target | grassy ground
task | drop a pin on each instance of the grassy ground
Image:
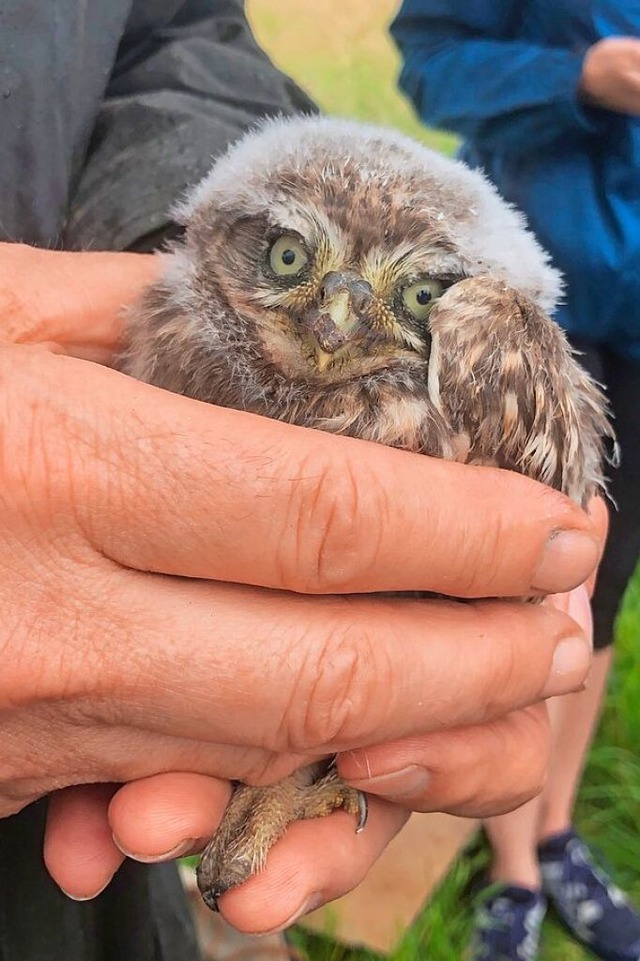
(339, 52)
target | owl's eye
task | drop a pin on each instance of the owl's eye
(287, 256)
(418, 298)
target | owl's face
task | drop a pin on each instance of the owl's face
(336, 282)
(344, 278)
(335, 309)
(331, 243)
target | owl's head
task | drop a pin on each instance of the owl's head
(333, 240)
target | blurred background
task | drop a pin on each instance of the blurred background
(340, 52)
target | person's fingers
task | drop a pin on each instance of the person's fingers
(599, 513)
(577, 605)
(101, 750)
(315, 862)
(579, 610)
(474, 771)
(173, 485)
(79, 851)
(330, 674)
(72, 300)
(168, 815)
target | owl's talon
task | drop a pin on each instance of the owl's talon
(210, 897)
(258, 816)
(363, 811)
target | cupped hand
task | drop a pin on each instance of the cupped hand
(163, 570)
(611, 74)
(474, 771)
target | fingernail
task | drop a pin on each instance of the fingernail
(407, 782)
(177, 852)
(570, 665)
(88, 897)
(315, 900)
(568, 559)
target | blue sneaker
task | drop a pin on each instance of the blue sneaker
(507, 925)
(587, 901)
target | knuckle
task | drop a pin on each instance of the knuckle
(505, 680)
(479, 561)
(333, 692)
(336, 511)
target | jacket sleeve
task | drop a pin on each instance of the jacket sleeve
(179, 94)
(464, 72)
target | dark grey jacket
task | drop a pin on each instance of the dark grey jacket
(108, 110)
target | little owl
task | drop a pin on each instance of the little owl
(344, 278)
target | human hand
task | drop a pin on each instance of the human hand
(469, 785)
(611, 75)
(106, 666)
(486, 769)
(70, 302)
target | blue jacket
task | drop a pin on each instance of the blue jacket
(503, 74)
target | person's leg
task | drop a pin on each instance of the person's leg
(540, 830)
(586, 899)
(509, 923)
(514, 837)
(574, 717)
(573, 721)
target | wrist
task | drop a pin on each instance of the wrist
(587, 83)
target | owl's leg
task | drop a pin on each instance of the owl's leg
(257, 817)
(329, 793)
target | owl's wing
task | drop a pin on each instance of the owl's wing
(504, 377)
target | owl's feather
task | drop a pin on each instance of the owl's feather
(329, 337)
(515, 396)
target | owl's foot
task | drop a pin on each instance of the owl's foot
(257, 817)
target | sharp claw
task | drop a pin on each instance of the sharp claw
(210, 898)
(210, 892)
(363, 811)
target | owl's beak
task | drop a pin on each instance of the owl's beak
(344, 297)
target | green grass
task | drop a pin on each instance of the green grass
(339, 52)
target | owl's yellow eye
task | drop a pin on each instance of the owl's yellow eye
(418, 298)
(287, 256)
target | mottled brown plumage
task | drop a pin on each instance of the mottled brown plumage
(341, 277)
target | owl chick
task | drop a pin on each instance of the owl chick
(342, 277)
